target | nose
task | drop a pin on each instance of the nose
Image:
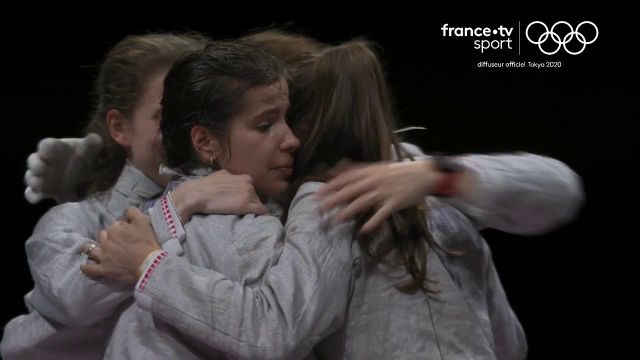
(290, 142)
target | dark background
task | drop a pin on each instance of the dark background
(565, 286)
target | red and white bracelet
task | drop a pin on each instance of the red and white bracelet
(149, 266)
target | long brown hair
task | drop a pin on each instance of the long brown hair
(123, 75)
(342, 104)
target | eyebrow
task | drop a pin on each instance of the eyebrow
(271, 110)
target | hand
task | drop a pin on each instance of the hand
(218, 193)
(122, 249)
(55, 170)
(384, 187)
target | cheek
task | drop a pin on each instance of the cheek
(257, 166)
(157, 141)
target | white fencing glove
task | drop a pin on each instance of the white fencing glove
(55, 170)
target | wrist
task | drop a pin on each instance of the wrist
(432, 178)
(188, 205)
(180, 205)
(148, 267)
(147, 261)
(449, 174)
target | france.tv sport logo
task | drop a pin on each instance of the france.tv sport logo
(549, 37)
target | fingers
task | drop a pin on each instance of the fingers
(118, 224)
(340, 181)
(35, 164)
(94, 271)
(134, 215)
(255, 205)
(359, 205)
(248, 204)
(87, 246)
(376, 220)
(348, 193)
(258, 209)
(246, 179)
(93, 250)
(32, 181)
(32, 196)
(90, 145)
(343, 166)
(103, 235)
(225, 176)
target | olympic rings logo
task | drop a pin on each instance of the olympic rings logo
(562, 42)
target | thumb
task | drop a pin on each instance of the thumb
(258, 209)
(32, 196)
(89, 145)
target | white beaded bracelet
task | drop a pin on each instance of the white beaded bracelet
(175, 208)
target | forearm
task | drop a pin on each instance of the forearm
(64, 294)
(520, 193)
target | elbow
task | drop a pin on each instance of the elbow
(574, 199)
(274, 345)
(274, 349)
(570, 200)
(570, 194)
(69, 309)
(282, 352)
(71, 314)
(558, 208)
(80, 318)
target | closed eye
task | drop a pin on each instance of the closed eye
(265, 125)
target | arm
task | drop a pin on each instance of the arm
(217, 193)
(521, 193)
(302, 300)
(62, 292)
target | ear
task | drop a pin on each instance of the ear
(118, 127)
(204, 143)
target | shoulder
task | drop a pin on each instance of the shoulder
(67, 221)
(304, 200)
(306, 217)
(73, 214)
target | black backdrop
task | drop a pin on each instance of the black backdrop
(560, 284)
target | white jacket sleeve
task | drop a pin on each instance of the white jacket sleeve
(62, 292)
(519, 193)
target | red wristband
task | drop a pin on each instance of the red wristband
(446, 187)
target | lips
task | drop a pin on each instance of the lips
(286, 170)
(288, 164)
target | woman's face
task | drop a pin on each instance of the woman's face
(144, 132)
(261, 143)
